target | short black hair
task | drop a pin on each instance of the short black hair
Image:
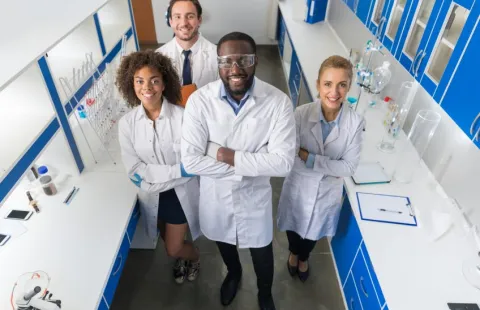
(195, 2)
(238, 36)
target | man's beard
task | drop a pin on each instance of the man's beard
(242, 91)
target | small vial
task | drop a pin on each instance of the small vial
(81, 111)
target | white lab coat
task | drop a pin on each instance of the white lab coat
(203, 60)
(310, 201)
(160, 167)
(236, 202)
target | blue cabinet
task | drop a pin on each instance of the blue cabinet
(118, 265)
(397, 18)
(294, 78)
(379, 17)
(360, 284)
(347, 240)
(281, 33)
(351, 294)
(449, 37)
(364, 283)
(132, 225)
(120, 261)
(458, 102)
(364, 9)
(103, 305)
(420, 22)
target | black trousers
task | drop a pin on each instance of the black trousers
(262, 263)
(299, 246)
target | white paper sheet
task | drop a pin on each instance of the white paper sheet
(385, 208)
(12, 227)
(370, 173)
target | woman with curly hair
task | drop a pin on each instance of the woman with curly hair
(149, 138)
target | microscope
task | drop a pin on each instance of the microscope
(28, 302)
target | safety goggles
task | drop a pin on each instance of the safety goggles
(241, 60)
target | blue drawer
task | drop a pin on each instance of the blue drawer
(103, 305)
(373, 276)
(364, 284)
(132, 225)
(347, 240)
(351, 294)
(116, 271)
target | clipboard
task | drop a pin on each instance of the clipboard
(370, 173)
(386, 209)
(187, 90)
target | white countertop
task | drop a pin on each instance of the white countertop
(313, 43)
(414, 272)
(76, 244)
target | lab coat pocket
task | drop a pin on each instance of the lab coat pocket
(219, 131)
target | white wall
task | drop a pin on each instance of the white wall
(221, 17)
(451, 156)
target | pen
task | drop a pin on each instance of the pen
(33, 203)
(391, 211)
(69, 195)
(72, 195)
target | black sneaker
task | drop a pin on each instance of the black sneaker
(193, 270)
(180, 270)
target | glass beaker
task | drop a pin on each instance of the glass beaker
(422, 131)
(396, 116)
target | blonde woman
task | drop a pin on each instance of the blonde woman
(329, 139)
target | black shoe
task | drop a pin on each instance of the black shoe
(229, 288)
(292, 270)
(266, 303)
(303, 275)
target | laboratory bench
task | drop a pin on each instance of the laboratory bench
(381, 265)
(82, 246)
(67, 56)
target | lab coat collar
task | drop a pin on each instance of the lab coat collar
(164, 112)
(195, 48)
(315, 117)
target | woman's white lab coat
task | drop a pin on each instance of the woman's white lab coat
(155, 157)
(203, 60)
(236, 202)
(310, 201)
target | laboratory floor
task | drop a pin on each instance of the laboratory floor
(147, 281)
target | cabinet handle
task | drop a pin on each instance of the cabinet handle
(362, 285)
(351, 304)
(419, 63)
(473, 124)
(119, 265)
(412, 67)
(380, 27)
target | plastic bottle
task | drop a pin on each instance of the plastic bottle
(46, 181)
(381, 77)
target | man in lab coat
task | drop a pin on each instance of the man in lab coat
(194, 57)
(237, 133)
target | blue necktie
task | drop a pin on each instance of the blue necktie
(187, 70)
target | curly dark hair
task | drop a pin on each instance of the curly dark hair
(137, 60)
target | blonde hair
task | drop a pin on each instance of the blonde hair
(337, 62)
